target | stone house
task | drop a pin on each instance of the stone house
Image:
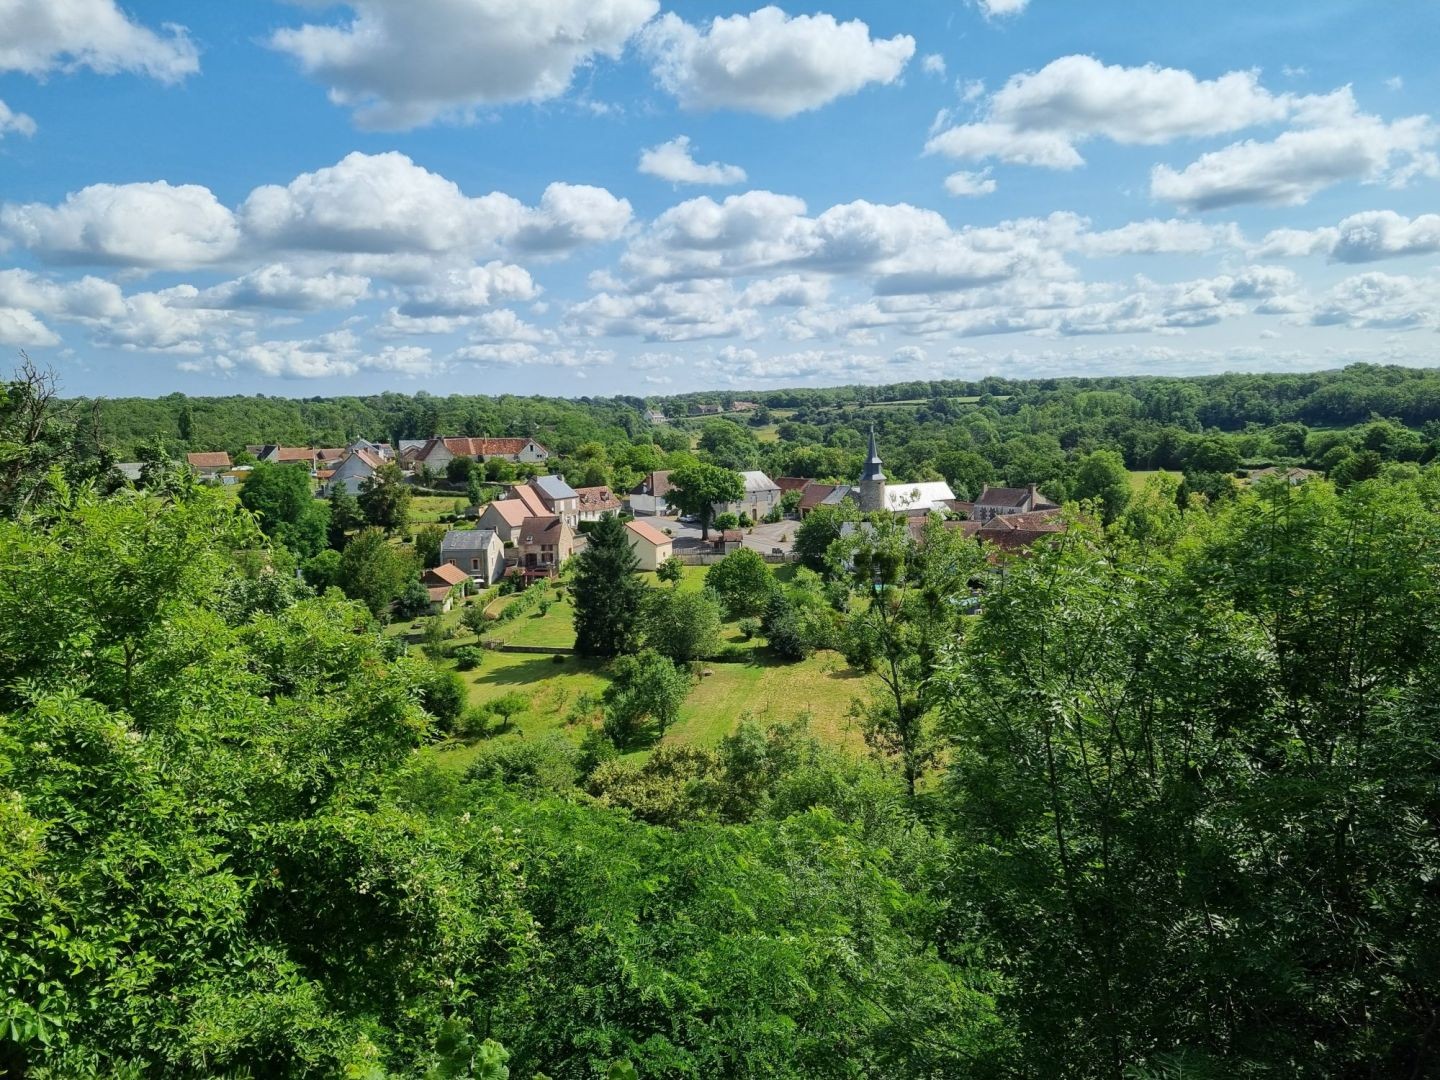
(439, 452)
(543, 545)
(558, 497)
(761, 496)
(649, 496)
(444, 583)
(504, 517)
(1000, 501)
(478, 552)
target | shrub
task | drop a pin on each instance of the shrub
(474, 723)
(467, 658)
(749, 628)
(558, 658)
(444, 698)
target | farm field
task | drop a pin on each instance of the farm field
(1139, 477)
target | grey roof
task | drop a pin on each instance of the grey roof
(758, 481)
(466, 540)
(410, 444)
(554, 487)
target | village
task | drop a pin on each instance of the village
(529, 530)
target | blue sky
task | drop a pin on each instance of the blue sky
(630, 196)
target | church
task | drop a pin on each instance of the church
(872, 493)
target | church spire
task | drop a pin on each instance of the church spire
(873, 470)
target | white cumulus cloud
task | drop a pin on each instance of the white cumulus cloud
(970, 184)
(1335, 143)
(144, 225)
(404, 63)
(673, 161)
(41, 36)
(1039, 118)
(770, 63)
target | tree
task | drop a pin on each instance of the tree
(475, 488)
(44, 441)
(671, 571)
(608, 593)
(645, 687)
(283, 500)
(902, 632)
(374, 571)
(743, 582)
(1102, 476)
(428, 539)
(385, 498)
(345, 516)
(684, 626)
(696, 488)
(817, 532)
(729, 445)
(414, 601)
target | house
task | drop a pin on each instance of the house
(596, 502)
(503, 517)
(744, 406)
(813, 495)
(648, 496)
(438, 452)
(655, 416)
(1016, 532)
(354, 469)
(729, 540)
(761, 496)
(651, 546)
(330, 456)
(1290, 476)
(444, 583)
(543, 545)
(706, 410)
(478, 552)
(282, 455)
(999, 502)
(381, 450)
(559, 498)
(208, 463)
(529, 498)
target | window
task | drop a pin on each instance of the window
(474, 564)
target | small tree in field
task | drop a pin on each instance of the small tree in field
(743, 582)
(671, 571)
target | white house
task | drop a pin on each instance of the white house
(354, 469)
(651, 546)
(648, 496)
(439, 452)
(761, 496)
(479, 552)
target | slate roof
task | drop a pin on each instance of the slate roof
(554, 488)
(457, 540)
(757, 481)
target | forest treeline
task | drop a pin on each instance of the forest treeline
(1349, 423)
(1181, 817)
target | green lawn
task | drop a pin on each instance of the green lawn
(1138, 478)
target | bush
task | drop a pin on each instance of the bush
(726, 520)
(444, 698)
(467, 658)
(546, 764)
(749, 628)
(474, 723)
(558, 658)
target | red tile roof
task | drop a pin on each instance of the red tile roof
(791, 483)
(466, 447)
(512, 511)
(216, 459)
(448, 573)
(814, 494)
(294, 453)
(531, 498)
(648, 533)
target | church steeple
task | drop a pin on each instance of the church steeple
(872, 470)
(872, 480)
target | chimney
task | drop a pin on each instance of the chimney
(1034, 495)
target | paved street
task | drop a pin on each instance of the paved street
(763, 538)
